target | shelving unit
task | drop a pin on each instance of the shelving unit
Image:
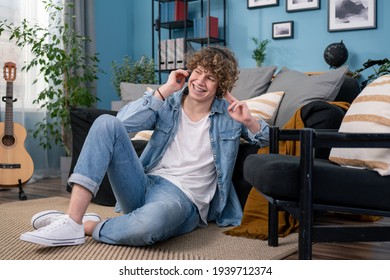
(185, 25)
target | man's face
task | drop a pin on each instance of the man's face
(202, 84)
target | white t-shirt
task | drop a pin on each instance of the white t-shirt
(189, 163)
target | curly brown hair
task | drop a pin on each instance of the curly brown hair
(220, 61)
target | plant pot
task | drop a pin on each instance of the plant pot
(65, 163)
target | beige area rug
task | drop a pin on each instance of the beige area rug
(202, 244)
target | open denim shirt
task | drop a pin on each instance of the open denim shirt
(150, 113)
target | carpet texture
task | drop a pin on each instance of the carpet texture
(202, 244)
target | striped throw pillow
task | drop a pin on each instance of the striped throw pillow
(143, 135)
(370, 113)
(265, 106)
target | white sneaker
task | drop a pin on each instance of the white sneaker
(62, 232)
(91, 217)
(45, 218)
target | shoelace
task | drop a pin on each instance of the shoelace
(57, 223)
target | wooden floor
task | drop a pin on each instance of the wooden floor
(325, 251)
(40, 189)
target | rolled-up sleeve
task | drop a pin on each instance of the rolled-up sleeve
(141, 113)
(262, 136)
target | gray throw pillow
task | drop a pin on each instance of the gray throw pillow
(301, 89)
(253, 82)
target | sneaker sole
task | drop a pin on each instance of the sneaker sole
(52, 242)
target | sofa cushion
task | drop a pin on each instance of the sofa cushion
(301, 89)
(81, 121)
(265, 106)
(253, 82)
(349, 90)
(131, 92)
(369, 112)
(322, 115)
(241, 186)
(277, 176)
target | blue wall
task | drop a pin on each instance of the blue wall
(124, 27)
(114, 40)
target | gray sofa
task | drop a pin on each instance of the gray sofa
(310, 93)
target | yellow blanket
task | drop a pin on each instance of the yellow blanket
(254, 223)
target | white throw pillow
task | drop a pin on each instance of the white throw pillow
(369, 113)
(266, 105)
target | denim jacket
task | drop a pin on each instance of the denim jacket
(150, 113)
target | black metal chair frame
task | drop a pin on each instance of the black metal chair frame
(303, 209)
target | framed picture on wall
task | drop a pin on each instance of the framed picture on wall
(346, 15)
(252, 4)
(302, 5)
(282, 30)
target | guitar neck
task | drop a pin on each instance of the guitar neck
(9, 127)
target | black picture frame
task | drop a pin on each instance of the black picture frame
(360, 16)
(283, 30)
(254, 4)
(302, 5)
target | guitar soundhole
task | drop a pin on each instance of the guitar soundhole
(8, 140)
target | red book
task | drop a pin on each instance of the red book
(180, 10)
(212, 27)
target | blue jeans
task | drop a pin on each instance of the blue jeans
(153, 208)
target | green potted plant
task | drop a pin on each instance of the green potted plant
(384, 69)
(132, 77)
(135, 72)
(259, 53)
(58, 52)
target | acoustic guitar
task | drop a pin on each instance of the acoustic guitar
(16, 165)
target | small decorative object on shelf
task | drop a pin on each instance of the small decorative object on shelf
(336, 54)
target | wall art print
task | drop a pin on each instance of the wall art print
(283, 29)
(252, 4)
(302, 5)
(344, 15)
